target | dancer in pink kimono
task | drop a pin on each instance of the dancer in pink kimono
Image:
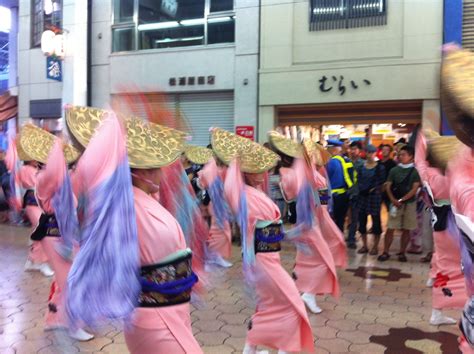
(220, 232)
(150, 288)
(331, 233)
(315, 271)
(457, 97)
(50, 231)
(26, 177)
(447, 260)
(280, 321)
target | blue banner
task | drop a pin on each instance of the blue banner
(54, 70)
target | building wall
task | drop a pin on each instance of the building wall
(32, 82)
(150, 70)
(400, 59)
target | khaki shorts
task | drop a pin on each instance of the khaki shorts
(405, 219)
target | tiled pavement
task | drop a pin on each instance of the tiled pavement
(370, 311)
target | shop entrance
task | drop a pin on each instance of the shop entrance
(381, 121)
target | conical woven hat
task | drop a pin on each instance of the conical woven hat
(198, 154)
(457, 93)
(285, 145)
(254, 158)
(37, 144)
(21, 153)
(149, 145)
(441, 149)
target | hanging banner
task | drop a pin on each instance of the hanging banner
(54, 69)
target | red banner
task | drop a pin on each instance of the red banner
(247, 131)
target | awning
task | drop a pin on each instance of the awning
(8, 106)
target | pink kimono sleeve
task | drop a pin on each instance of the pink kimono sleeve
(461, 174)
(433, 176)
(51, 177)
(288, 183)
(208, 174)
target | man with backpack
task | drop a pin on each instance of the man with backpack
(402, 184)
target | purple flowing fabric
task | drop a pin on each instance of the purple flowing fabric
(219, 205)
(66, 215)
(103, 282)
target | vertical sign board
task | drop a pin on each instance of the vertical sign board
(247, 131)
(54, 69)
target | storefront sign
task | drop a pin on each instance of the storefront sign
(247, 131)
(327, 84)
(54, 68)
(192, 80)
(382, 128)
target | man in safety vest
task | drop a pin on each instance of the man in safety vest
(342, 176)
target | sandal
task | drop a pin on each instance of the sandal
(402, 258)
(383, 257)
(374, 252)
(363, 250)
(427, 258)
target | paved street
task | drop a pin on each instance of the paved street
(380, 310)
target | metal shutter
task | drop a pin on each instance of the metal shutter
(468, 25)
(205, 110)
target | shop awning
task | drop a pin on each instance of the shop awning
(8, 106)
(405, 111)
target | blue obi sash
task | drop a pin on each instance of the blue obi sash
(268, 238)
(169, 282)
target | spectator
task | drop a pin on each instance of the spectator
(371, 177)
(388, 163)
(357, 162)
(341, 177)
(402, 185)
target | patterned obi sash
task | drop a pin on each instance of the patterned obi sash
(169, 282)
(324, 196)
(29, 198)
(47, 227)
(268, 238)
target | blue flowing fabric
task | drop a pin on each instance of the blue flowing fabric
(66, 215)
(248, 247)
(219, 205)
(103, 282)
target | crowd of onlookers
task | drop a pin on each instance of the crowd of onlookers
(363, 181)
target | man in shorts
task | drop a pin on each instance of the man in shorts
(402, 185)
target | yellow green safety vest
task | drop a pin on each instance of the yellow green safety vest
(347, 169)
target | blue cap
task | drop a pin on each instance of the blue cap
(370, 148)
(334, 142)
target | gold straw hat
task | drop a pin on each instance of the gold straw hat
(149, 145)
(458, 79)
(37, 144)
(198, 154)
(457, 93)
(21, 153)
(285, 145)
(441, 149)
(254, 158)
